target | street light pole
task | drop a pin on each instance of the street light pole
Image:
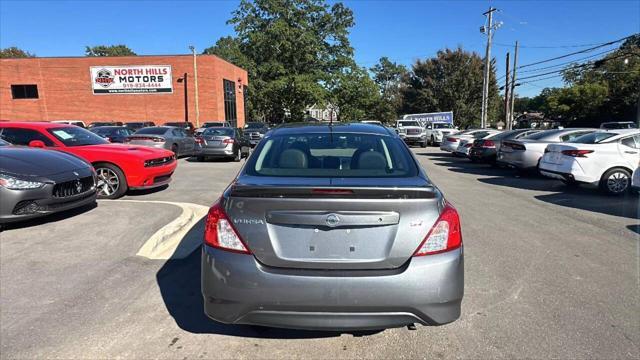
(195, 75)
(183, 79)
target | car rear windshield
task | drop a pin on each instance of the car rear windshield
(409, 123)
(218, 132)
(593, 138)
(213, 124)
(76, 136)
(151, 131)
(341, 155)
(542, 134)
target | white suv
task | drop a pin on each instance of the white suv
(436, 131)
(412, 132)
(602, 158)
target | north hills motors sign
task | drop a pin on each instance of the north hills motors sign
(142, 79)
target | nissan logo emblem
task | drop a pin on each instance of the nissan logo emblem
(332, 220)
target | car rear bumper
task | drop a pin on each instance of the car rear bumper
(216, 152)
(567, 171)
(237, 289)
(482, 154)
(518, 159)
(449, 146)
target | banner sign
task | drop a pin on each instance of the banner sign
(446, 116)
(136, 79)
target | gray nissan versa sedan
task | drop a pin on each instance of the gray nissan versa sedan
(332, 228)
(37, 182)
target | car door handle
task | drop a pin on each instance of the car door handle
(631, 152)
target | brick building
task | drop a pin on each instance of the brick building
(128, 88)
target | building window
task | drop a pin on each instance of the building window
(230, 111)
(245, 95)
(24, 91)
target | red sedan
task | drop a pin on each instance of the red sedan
(119, 167)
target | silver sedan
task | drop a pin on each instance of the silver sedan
(166, 137)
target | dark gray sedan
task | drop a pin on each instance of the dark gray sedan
(331, 228)
(166, 137)
(36, 182)
(223, 142)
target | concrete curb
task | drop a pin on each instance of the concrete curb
(175, 240)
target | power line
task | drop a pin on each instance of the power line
(550, 47)
(576, 52)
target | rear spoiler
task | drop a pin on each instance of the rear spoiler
(350, 192)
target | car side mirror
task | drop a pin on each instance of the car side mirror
(37, 144)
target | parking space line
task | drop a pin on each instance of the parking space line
(175, 240)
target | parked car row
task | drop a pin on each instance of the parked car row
(117, 167)
(608, 159)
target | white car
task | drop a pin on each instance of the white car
(450, 143)
(71, 122)
(602, 158)
(436, 131)
(465, 143)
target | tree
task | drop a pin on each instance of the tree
(293, 50)
(14, 53)
(451, 81)
(112, 50)
(356, 95)
(388, 76)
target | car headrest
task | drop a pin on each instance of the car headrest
(372, 160)
(293, 159)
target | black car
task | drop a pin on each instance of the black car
(486, 150)
(114, 134)
(223, 142)
(137, 125)
(255, 131)
(37, 182)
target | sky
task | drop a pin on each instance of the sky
(401, 30)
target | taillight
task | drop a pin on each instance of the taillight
(452, 139)
(228, 141)
(488, 144)
(108, 139)
(199, 140)
(127, 140)
(468, 145)
(444, 236)
(219, 232)
(576, 153)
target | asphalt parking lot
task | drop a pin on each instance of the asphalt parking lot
(550, 272)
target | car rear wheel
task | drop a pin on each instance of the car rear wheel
(237, 155)
(112, 183)
(615, 181)
(174, 148)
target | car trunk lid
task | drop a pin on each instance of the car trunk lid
(216, 141)
(332, 224)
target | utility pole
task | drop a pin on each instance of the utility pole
(195, 75)
(487, 63)
(513, 86)
(506, 97)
